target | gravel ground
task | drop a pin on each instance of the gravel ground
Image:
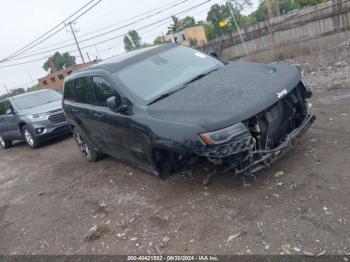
(53, 202)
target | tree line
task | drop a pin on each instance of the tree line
(219, 20)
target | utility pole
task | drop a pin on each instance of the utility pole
(238, 29)
(7, 91)
(270, 13)
(269, 8)
(88, 56)
(98, 53)
(76, 41)
(31, 79)
(273, 8)
(277, 8)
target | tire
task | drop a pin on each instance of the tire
(30, 138)
(89, 153)
(4, 143)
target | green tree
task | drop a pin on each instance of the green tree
(285, 6)
(219, 13)
(221, 19)
(186, 22)
(261, 14)
(128, 43)
(181, 24)
(135, 38)
(208, 29)
(304, 3)
(60, 61)
(17, 91)
(158, 40)
(132, 40)
(174, 27)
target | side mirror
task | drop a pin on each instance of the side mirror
(115, 104)
(213, 54)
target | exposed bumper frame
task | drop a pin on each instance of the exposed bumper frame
(269, 156)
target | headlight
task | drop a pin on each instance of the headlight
(223, 135)
(37, 116)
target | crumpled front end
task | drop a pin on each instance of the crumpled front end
(269, 134)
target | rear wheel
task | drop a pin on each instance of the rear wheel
(85, 148)
(4, 143)
(30, 138)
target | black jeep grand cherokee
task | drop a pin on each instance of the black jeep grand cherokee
(163, 107)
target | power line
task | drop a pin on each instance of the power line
(155, 28)
(65, 25)
(140, 28)
(108, 32)
(109, 26)
(99, 35)
(116, 37)
(105, 27)
(43, 35)
(42, 58)
(56, 32)
(172, 5)
(113, 47)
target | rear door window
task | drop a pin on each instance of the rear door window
(5, 107)
(83, 90)
(69, 91)
(103, 90)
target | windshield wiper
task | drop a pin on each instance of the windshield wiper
(172, 91)
(201, 75)
(51, 101)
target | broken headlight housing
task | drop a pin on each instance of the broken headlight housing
(307, 89)
(224, 135)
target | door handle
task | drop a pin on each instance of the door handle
(75, 110)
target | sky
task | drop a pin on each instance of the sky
(22, 21)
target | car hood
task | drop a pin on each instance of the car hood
(42, 108)
(232, 94)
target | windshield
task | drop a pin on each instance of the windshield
(168, 70)
(36, 99)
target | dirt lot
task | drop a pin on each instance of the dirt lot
(50, 197)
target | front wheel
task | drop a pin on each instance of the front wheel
(30, 138)
(4, 143)
(85, 148)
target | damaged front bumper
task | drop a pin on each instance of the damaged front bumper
(267, 157)
(242, 156)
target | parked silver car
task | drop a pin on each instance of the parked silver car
(33, 117)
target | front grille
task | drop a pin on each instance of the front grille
(57, 118)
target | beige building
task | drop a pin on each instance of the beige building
(55, 79)
(191, 36)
